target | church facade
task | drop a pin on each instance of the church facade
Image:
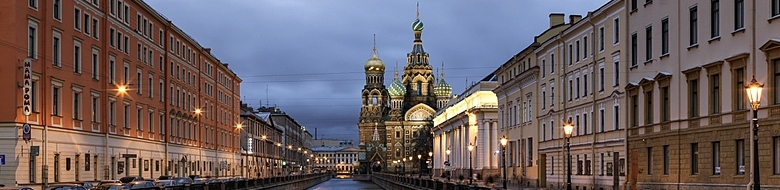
(392, 117)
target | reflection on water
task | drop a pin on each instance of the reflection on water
(345, 184)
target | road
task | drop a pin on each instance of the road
(345, 184)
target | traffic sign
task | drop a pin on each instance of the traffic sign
(2, 159)
(26, 132)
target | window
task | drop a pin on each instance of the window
(616, 69)
(649, 160)
(529, 152)
(138, 120)
(571, 89)
(666, 159)
(776, 154)
(775, 8)
(77, 19)
(601, 39)
(776, 64)
(57, 50)
(32, 40)
(544, 68)
(77, 105)
(95, 109)
(127, 14)
(601, 120)
(112, 113)
(77, 57)
(739, 86)
(715, 93)
(95, 28)
(693, 96)
(634, 111)
(714, 18)
(633, 5)
(112, 37)
(552, 63)
(693, 28)
(55, 95)
(544, 98)
(34, 94)
(111, 69)
(585, 123)
(616, 111)
(126, 118)
(95, 71)
(739, 14)
(58, 10)
(127, 45)
(665, 103)
(634, 50)
(649, 43)
(715, 158)
(127, 73)
(571, 55)
(585, 84)
(740, 156)
(601, 79)
(33, 4)
(578, 87)
(694, 158)
(648, 107)
(665, 36)
(616, 31)
(86, 23)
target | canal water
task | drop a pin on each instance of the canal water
(345, 184)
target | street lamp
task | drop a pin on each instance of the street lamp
(567, 129)
(503, 156)
(412, 165)
(430, 172)
(448, 151)
(403, 166)
(419, 165)
(754, 93)
(471, 169)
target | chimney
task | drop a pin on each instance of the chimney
(574, 18)
(208, 50)
(556, 19)
(225, 64)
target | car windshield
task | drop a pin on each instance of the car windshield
(127, 179)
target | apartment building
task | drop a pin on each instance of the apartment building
(585, 62)
(470, 118)
(258, 144)
(111, 89)
(572, 72)
(689, 114)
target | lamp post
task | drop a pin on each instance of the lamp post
(412, 165)
(754, 93)
(419, 165)
(567, 129)
(403, 166)
(448, 151)
(264, 137)
(430, 171)
(503, 156)
(471, 169)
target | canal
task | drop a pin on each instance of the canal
(345, 184)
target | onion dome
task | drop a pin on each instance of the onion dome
(417, 25)
(396, 89)
(374, 63)
(442, 89)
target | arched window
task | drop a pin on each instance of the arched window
(419, 88)
(374, 100)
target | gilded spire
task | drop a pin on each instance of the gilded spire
(374, 45)
(396, 71)
(418, 10)
(442, 70)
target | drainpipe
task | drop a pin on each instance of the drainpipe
(593, 97)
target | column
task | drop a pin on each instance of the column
(494, 145)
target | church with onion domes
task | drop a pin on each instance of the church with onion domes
(392, 117)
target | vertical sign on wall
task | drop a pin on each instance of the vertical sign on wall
(27, 87)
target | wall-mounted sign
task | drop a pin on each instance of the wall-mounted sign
(27, 87)
(26, 132)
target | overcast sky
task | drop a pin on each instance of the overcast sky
(307, 57)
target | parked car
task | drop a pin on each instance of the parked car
(199, 181)
(101, 182)
(112, 186)
(66, 187)
(183, 180)
(142, 185)
(165, 177)
(15, 188)
(193, 177)
(129, 179)
(165, 183)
